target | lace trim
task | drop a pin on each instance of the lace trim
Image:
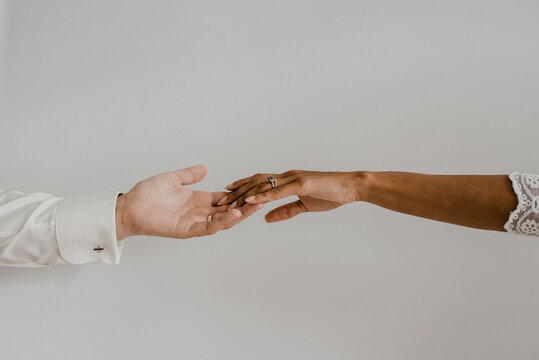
(525, 218)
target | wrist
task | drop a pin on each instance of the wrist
(122, 230)
(362, 184)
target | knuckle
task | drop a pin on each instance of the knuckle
(304, 183)
(288, 212)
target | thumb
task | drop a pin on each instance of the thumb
(191, 175)
(286, 212)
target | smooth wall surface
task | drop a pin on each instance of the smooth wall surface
(96, 95)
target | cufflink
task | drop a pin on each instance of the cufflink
(99, 248)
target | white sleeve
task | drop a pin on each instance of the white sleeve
(525, 218)
(40, 229)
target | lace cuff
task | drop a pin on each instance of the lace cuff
(525, 218)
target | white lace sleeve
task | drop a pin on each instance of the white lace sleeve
(525, 218)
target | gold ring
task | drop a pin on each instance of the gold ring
(209, 218)
(273, 181)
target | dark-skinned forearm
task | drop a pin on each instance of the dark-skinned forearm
(477, 201)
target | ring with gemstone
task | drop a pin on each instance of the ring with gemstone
(273, 181)
(209, 218)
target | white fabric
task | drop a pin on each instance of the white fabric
(39, 229)
(525, 219)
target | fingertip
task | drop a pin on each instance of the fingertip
(269, 218)
(191, 175)
(199, 167)
(235, 213)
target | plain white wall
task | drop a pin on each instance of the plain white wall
(96, 95)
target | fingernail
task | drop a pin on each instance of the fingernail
(222, 201)
(233, 205)
(249, 199)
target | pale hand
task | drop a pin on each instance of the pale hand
(163, 206)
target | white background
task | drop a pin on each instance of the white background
(96, 95)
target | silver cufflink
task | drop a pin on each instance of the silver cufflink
(99, 248)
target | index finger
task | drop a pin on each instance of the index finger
(292, 188)
(238, 183)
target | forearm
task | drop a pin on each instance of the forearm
(478, 201)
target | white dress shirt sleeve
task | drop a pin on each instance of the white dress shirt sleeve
(39, 229)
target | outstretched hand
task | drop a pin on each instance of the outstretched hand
(162, 206)
(317, 191)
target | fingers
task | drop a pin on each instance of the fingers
(234, 195)
(286, 212)
(293, 188)
(218, 209)
(236, 184)
(240, 187)
(238, 197)
(219, 222)
(216, 196)
(222, 221)
(257, 184)
(191, 175)
(256, 178)
(247, 211)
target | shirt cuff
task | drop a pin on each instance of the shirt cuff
(86, 229)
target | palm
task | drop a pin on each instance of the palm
(163, 206)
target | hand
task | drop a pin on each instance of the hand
(163, 206)
(317, 191)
